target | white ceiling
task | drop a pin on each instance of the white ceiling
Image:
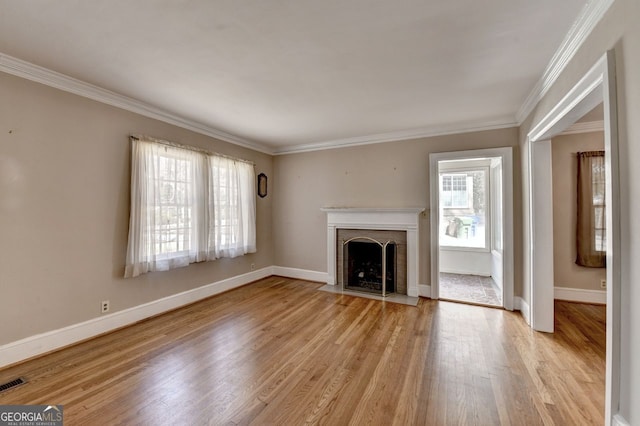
(283, 73)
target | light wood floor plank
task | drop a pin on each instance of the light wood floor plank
(278, 351)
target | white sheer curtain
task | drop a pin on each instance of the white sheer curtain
(168, 195)
(186, 207)
(232, 211)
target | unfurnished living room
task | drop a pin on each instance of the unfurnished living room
(333, 212)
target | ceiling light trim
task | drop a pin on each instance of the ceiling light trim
(426, 132)
(29, 71)
(588, 18)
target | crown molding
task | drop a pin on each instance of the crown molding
(29, 71)
(424, 132)
(587, 127)
(590, 15)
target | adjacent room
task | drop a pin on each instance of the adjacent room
(470, 234)
(286, 212)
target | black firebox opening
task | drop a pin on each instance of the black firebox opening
(364, 270)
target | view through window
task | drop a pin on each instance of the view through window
(463, 208)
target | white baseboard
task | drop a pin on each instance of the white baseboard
(466, 272)
(618, 420)
(29, 347)
(424, 290)
(519, 304)
(580, 295)
(300, 274)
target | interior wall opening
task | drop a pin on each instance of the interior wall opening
(470, 230)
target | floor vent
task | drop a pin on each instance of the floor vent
(12, 384)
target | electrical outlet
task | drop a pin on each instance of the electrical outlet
(603, 283)
(253, 266)
(104, 306)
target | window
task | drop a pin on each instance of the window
(464, 209)
(454, 191)
(233, 222)
(171, 231)
(599, 223)
(186, 207)
(591, 235)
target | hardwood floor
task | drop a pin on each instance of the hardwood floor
(280, 352)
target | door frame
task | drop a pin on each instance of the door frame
(506, 155)
(598, 85)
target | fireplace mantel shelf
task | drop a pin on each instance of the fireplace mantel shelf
(401, 218)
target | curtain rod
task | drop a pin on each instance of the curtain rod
(188, 147)
(590, 153)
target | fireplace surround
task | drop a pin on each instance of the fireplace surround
(339, 220)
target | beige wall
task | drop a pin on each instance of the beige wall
(64, 210)
(394, 174)
(565, 169)
(618, 30)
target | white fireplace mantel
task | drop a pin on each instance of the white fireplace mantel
(386, 219)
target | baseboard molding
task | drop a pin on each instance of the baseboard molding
(300, 274)
(519, 304)
(424, 290)
(580, 295)
(39, 344)
(466, 272)
(618, 420)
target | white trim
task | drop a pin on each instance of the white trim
(581, 99)
(588, 127)
(598, 85)
(465, 271)
(590, 15)
(388, 219)
(39, 344)
(580, 295)
(507, 196)
(29, 71)
(541, 236)
(519, 304)
(618, 420)
(300, 274)
(425, 132)
(424, 290)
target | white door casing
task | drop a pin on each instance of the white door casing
(507, 214)
(598, 85)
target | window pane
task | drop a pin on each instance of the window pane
(172, 225)
(600, 241)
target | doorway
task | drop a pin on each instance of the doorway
(468, 230)
(597, 86)
(472, 227)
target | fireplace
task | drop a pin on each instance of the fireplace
(369, 265)
(373, 227)
(372, 260)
